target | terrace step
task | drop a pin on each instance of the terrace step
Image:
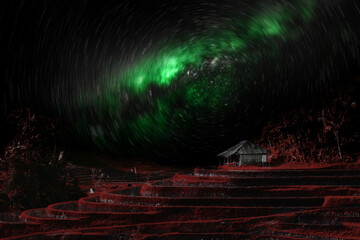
(154, 190)
(196, 236)
(211, 204)
(318, 231)
(236, 202)
(277, 173)
(267, 181)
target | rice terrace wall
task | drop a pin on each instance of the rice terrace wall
(207, 204)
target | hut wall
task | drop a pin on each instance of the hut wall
(250, 158)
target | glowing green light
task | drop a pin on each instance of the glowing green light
(204, 69)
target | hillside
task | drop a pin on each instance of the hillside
(321, 129)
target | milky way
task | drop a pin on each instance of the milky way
(181, 80)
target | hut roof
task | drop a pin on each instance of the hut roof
(243, 147)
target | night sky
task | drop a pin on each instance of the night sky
(174, 80)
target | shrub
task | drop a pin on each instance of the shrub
(33, 170)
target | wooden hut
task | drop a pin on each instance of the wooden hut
(244, 153)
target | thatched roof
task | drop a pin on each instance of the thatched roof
(243, 147)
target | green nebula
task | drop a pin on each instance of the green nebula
(180, 85)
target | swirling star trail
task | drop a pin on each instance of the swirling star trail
(199, 79)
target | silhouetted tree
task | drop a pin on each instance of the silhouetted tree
(322, 129)
(33, 170)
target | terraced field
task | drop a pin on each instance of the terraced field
(207, 204)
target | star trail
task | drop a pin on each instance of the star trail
(174, 80)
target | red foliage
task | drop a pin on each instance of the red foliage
(323, 129)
